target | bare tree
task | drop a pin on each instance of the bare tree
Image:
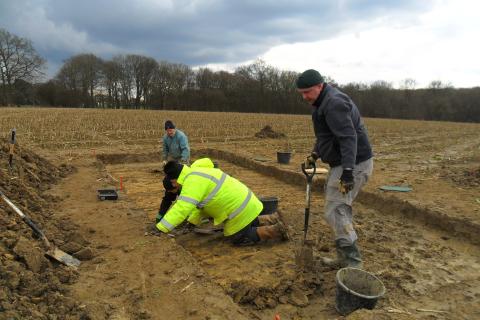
(205, 79)
(142, 70)
(408, 84)
(82, 74)
(112, 75)
(18, 61)
(126, 79)
(161, 82)
(381, 85)
(438, 84)
(181, 76)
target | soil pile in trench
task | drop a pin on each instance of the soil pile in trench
(294, 291)
(32, 286)
(465, 178)
(267, 132)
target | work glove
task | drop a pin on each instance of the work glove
(310, 160)
(164, 162)
(346, 181)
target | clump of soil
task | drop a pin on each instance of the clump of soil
(293, 291)
(32, 286)
(267, 132)
(465, 177)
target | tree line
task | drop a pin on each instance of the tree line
(140, 82)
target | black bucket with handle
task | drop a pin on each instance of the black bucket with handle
(283, 157)
(356, 289)
(270, 205)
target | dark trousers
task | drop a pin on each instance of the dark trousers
(248, 235)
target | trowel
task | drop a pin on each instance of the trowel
(304, 255)
(52, 251)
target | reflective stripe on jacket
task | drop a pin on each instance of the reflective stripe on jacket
(207, 191)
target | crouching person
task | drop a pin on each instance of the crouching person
(206, 192)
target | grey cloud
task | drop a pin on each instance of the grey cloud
(194, 32)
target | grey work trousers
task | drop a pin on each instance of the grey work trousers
(338, 207)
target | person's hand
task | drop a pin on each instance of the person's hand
(310, 160)
(164, 162)
(153, 230)
(346, 181)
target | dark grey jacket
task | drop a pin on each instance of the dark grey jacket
(341, 136)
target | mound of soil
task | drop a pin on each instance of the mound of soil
(267, 132)
(294, 291)
(32, 286)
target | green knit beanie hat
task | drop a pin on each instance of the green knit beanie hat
(309, 78)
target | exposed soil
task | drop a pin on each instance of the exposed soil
(32, 286)
(267, 132)
(464, 177)
(430, 270)
(423, 268)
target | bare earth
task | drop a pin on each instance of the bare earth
(422, 244)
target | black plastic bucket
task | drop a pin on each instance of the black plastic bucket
(283, 157)
(356, 289)
(270, 205)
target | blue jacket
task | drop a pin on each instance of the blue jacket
(176, 147)
(341, 135)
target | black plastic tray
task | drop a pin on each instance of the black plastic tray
(107, 194)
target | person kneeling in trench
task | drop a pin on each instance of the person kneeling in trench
(208, 192)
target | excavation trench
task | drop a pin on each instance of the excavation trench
(458, 227)
(416, 263)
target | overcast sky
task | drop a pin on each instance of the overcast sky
(348, 40)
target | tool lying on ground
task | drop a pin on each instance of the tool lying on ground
(304, 255)
(53, 251)
(208, 230)
(107, 194)
(12, 148)
(396, 188)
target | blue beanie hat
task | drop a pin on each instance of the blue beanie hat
(169, 125)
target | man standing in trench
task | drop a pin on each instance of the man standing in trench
(342, 143)
(175, 144)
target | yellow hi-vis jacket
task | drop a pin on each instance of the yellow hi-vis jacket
(209, 192)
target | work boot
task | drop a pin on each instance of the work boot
(269, 219)
(277, 231)
(347, 256)
(353, 258)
